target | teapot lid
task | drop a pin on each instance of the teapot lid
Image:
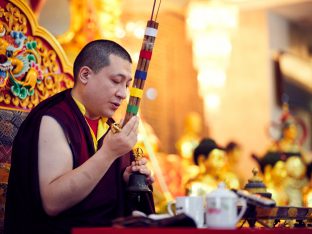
(222, 191)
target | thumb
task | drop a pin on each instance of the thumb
(121, 121)
(128, 169)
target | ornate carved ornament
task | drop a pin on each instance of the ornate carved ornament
(33, 65)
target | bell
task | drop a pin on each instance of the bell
(137, 183)
(138, 191)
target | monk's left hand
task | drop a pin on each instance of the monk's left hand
(139, 166)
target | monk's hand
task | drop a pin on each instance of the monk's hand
(118, 143)
(139, 166)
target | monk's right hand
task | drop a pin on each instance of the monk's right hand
(120, 143)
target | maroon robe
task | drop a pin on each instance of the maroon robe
(24, 212)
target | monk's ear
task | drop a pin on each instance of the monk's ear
(84, 74)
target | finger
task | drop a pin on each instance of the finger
(142, 161)
(134, 130)
(128, 169)
(131, 125)
(145, 171)
(138, 162)
(135, 168)
(126, 129)
(150, 180)
(142, 169)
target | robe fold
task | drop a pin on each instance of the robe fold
(24, 212)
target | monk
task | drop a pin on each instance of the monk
(69, 168)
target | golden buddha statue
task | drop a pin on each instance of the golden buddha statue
(296, 163)
(186, 144)
(288, 140)
(307, 196)
(190, 137)
(295, 181)
(212, 163)
(275, 181)
(233, 152)
(285, 163)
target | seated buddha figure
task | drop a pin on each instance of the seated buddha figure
(275, 182)
(296, 163)
(233, 151)
(296, 180)
(212, 163)
(287, 148)
(288, 140)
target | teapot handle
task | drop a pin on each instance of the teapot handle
(243, 204)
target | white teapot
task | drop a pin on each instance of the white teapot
(221, 208)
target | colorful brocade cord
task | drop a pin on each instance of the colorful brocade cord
(136, 91)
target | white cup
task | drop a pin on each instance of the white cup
(193, 206)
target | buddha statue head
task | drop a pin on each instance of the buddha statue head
(295, 167)
(293, 131)
(233, 152)
(289, 128)
(216, 160)
(278, 172)
(290, 131)
(209, 156)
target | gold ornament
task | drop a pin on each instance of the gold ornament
(115, 128)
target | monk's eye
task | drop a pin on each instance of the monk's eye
(116, 80)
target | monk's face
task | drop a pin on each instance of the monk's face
(107, 88)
